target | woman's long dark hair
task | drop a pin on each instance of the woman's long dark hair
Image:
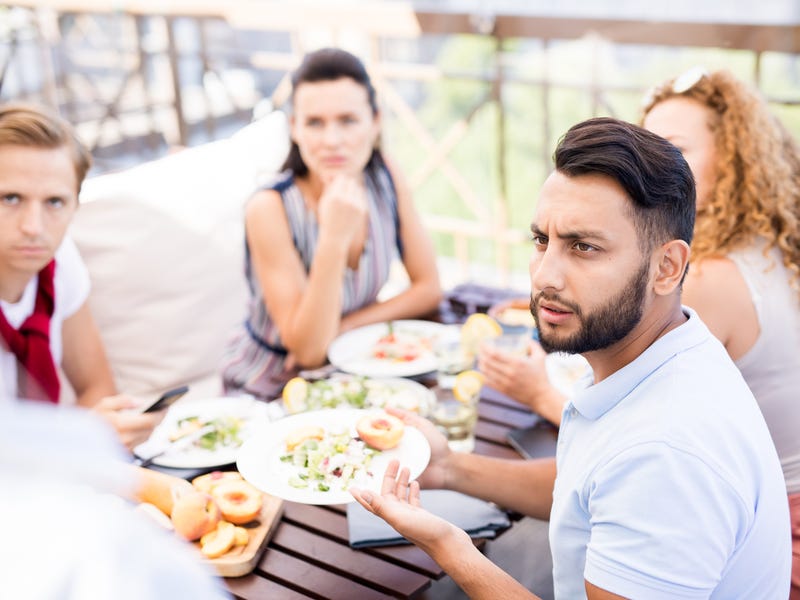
(330, 64)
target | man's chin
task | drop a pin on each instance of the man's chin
(554, 343)
(29, 265)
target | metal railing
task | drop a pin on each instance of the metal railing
(137, 77)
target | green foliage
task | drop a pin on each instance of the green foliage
(586, 77)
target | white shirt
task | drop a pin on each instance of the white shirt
(71, 284)
(668, 482)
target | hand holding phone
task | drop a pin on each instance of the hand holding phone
(167, 399)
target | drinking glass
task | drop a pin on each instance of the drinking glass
(451, 358)
(456, 419)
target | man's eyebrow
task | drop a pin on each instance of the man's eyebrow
(576, 234)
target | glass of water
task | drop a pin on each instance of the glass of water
(456, 419)
(451, 358)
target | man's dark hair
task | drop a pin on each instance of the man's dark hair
(330, 64)
(652, 172)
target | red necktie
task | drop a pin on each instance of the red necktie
(37, 378)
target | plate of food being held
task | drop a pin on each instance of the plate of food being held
(315, 457)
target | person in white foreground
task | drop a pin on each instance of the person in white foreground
(67, 532)
(666, 483)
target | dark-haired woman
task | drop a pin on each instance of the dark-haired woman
(321, 240)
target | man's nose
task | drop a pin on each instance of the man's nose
(32, 219)
(547, 270)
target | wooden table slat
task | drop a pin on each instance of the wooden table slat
(364, 568)
(495, 450)
(314, 580)
(334, 524)
(503, 415)
(491, 432)
(258, 588)
(492, 395)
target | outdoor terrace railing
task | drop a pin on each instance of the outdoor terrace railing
(472, 103)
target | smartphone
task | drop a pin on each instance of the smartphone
(538, 441)
(167, 399)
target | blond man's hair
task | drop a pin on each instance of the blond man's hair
(37, 127)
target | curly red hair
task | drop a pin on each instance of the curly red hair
(757, 188)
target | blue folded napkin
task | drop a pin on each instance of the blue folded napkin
(478, 518)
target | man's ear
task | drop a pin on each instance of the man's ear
(673, 260)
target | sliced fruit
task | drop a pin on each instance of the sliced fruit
(206, 483)
(238, 501)
(467, 386)
(476, 329)
(294, 395)
(240, 536)
(301, 434)
(381, 432)
(217, 542)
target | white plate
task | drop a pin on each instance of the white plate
(252, 412)
(259, 457)
(382, 391)
(566, 370)
(351, 352)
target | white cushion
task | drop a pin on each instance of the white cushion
(164, 245)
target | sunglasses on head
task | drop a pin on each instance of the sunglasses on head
(680, 85)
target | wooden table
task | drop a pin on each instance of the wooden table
(309, 555)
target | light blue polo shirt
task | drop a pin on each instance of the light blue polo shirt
(668, 483)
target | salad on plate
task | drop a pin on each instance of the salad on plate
(352, 391)
(337, 460)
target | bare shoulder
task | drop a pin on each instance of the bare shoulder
(264, 203)
(714, 277)
(716, 289)
(265, 217)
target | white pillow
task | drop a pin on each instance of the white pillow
(164, 245)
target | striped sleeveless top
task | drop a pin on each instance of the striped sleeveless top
(254, 359)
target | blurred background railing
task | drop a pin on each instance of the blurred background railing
(473, 100)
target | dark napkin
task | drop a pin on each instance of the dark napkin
(478, 518)
(468, 298)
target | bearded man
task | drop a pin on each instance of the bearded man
(666, 483)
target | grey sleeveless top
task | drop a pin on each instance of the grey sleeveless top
(772, 366)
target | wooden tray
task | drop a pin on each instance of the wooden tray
(241, 560)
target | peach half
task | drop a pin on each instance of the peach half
(238, 501)
(381, 432)
(206, 483)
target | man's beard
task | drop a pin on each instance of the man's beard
(602, 327)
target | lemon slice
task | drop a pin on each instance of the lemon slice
(478, 328)
(294, 395)
(467, 386)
